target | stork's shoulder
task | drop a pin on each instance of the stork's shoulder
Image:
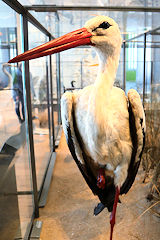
(67, 114)
(75, 96)
(135, 99)
(81, 99)
(119, 90)
(118, 93)
(66, 106)
(119, 101)
(67, 96)
(137, 107)
(67, 100)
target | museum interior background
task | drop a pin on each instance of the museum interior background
(28, 144)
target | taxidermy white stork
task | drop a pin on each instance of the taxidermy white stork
(104, 128)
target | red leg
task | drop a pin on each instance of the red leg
(101, 178)
(113, 214)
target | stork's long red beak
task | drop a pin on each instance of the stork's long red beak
(70, 40)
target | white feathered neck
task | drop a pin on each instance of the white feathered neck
(108, 65)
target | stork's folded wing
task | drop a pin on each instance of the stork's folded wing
(137, 131)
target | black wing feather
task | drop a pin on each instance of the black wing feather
(134, 166)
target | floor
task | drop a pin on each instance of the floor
(14, 134)
(68, 214)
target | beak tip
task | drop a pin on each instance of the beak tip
(12, 60)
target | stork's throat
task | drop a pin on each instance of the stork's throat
(108, 64)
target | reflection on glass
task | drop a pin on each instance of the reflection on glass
(16, 205)
(38, 78)
(135, 65)
(79, 68)
(152, 99)
(48, 20)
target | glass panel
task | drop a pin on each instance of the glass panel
(38, 77)
(135, 65)
(119, 76)
(78, 68)
(16, 204)
(152, 110)
(47, 19)
(129, 22)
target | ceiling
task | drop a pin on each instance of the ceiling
(142, 3)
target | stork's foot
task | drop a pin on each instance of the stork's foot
(113, 214)
(101, 178)
(99, 208)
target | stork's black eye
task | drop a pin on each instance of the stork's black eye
(104, 25)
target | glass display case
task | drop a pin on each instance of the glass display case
(30, 93)
(16, 201)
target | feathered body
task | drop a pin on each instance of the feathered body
(103, 127)
(102, 120)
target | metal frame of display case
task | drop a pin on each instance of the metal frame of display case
(29, 113)
(54, 8)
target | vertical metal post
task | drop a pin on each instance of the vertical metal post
(124, 66)
(151, 81)
(144, 68)
(81, 76)
(51, 92)
(48, 101)
(58, 59)
(29, 117)
(59, 87)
